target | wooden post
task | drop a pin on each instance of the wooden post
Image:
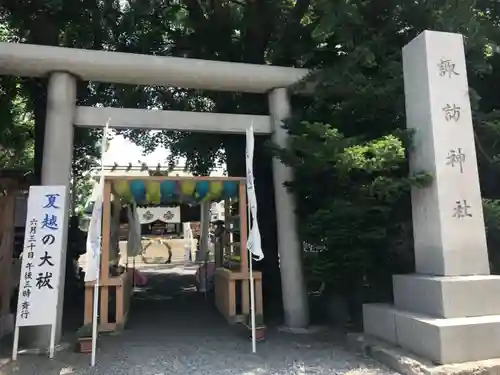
(226, 237)
(242, 200)
(245, 290)
(119, 302)
(106, 237)
(115, 226)
(89, 299)
(7, 211)
(106, 231)
(120, 289)
(259, 305)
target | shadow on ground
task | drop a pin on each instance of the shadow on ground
(174, 330)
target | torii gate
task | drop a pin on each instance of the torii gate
(449, 311)
(64, 66)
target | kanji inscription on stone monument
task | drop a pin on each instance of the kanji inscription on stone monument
(447, 216)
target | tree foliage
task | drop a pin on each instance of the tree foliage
(348, 142)
(16, 122)
(348, 145)
(79, 24)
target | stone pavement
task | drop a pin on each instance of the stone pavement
(173, 330)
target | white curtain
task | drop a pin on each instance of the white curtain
(149, 215)
(134, 243)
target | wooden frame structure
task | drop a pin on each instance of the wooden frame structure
(226, 281)
(122, 284)
(11, 183)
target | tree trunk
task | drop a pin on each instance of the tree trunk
(37, 92)
(235, 151)
(43, 31)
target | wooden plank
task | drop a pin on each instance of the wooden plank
(231, 299)
(106, 232)
(111, 281)
(228, 274)
(104, 310)
(243, 227)
(116, 207)
(128, 292)
(245, 297)
(107, 327)
(259, 305)
(105, 245)
(225, 293)
(87, 315)
(119, 306)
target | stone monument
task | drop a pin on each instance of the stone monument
(450, 310)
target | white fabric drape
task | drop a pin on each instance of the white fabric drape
(134, 243)
(149, 215)
(254, 241)
(94, 233)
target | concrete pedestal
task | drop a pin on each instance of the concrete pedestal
(448, 297)
(445, 319)
(443, 341)
(450, 311)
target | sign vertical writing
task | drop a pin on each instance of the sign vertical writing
(41, 257)
(456, 156)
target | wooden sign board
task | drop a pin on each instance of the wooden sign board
(41, 260)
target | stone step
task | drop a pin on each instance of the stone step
(448, 296)
(443, 341)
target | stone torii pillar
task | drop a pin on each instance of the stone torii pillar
(450, 310)
(56, 170)
(295, 303)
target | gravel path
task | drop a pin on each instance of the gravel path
(180, 333)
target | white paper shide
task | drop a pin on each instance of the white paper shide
(41, 257)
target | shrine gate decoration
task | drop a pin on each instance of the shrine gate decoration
(149, 190)
(148, 215)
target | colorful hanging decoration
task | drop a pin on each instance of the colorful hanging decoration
(153, 192)
(230, 189)
(138, 189)
(156, 192)
(169, 191)
(215, 189)
(201, 190)
(168, 188)
(188, 187)
(122, 189)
